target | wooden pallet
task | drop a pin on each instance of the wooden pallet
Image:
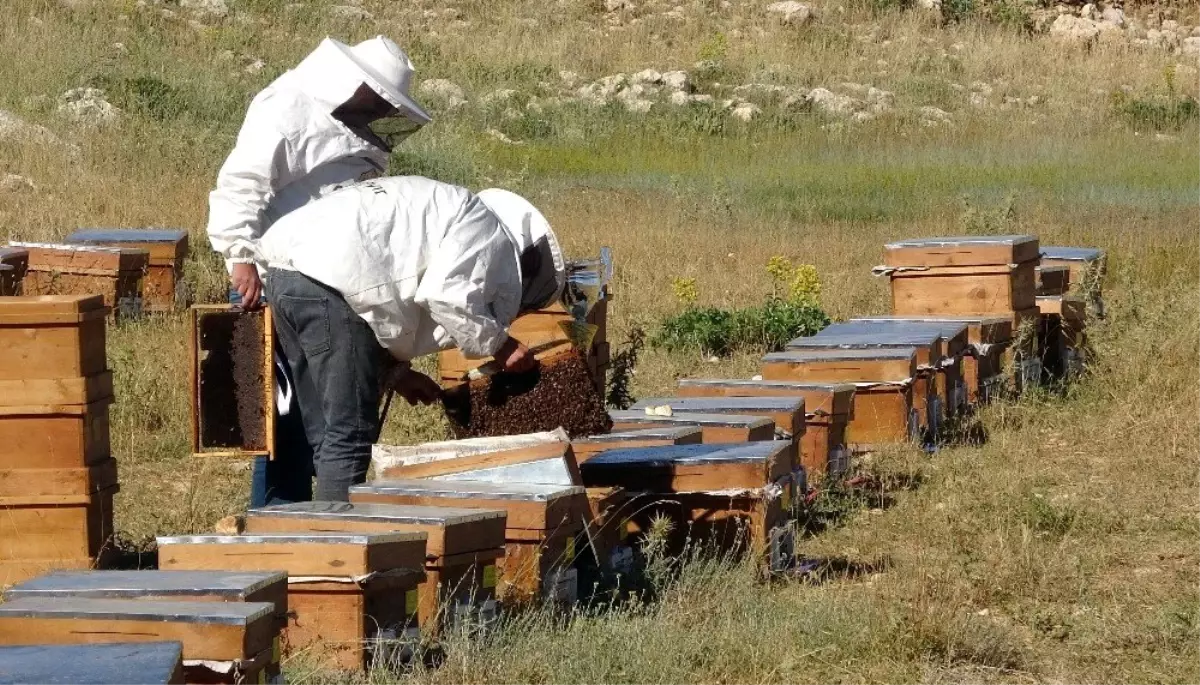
(163, 289)
(52, 337)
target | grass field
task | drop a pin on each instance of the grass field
(1062, 550)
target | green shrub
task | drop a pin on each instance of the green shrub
(707, 329)
(957, 10)
(1166, 111)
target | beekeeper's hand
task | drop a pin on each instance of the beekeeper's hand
(245, 280)
(515, 356)
(415, 387)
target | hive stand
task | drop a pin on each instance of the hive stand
(242, 636)
(883, 379)
(144, 663)
(586, 448)
(163, 289)
(715, 428)
(543, 526)
(828, 409)
(351, 598)
(460, 554)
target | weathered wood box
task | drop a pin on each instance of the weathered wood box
(232, 381)
(542, 526)
(163, 289)
(692, 468)
(61, 269)
(14, 261)
(586, 448)
(40, 533)
(238, 636)
(786, 412)
(348, 594)
(1062, 335)
(715, 428)
(191, 586)
(540, 329)
(1087, 267)
(1053, 280)
(460, 553)
(986, 338)
(147, 663)
(828, 409)
(51, 337)
(537, 462)
(883, 379)
(607, 550)
(27, 485)
(976, 275)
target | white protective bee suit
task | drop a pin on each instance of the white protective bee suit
(428, 265)
(291, 149)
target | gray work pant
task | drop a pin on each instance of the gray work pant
(337, 365)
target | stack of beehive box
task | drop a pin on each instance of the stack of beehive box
(57, 474)
(351, 597)
(1069, 289)
(163, 289)
(74, 269)
(973, 276)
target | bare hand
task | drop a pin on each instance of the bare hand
(415, 387)
(245, 280)
(515, 356)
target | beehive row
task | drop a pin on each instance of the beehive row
(57, 473)
(133, 270)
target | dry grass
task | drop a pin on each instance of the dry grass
(1064, 549)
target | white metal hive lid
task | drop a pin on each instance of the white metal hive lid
(952, 241)
(652, 433)
(294, 538)
(724, 405)
(224, 613)
(672, 455)
(880, 353)
(748, 383)
(529, 492)
(698, 419)
(117, 584)
(128, 663)
(1072, 254)
(371, 512)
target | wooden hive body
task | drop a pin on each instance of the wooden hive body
(586, 448)
(52, 337)
(692, 468)
(962, 275)
(786, 412)
(715, 428)
(163, 288)
(66, 269)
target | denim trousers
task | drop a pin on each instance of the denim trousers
(337, 366)
(287, 475)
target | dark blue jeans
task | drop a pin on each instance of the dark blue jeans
(288, 476)
(337, 366)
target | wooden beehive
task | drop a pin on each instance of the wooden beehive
(1062, 334)
(828, 409)
(586, 448)
(174, 585)
(241, 634)
(157, 663)
(607, 550)
(14, 261)
(46, 530)
(541, 329)
(547, 462)
(786, 412)
(715, 428)
(61, 269)
(542, 524)
(52, 337)
(163, 289)
(883, 379)
(462, 546)
(1053, 280)
(976, 275)
(691, 468)
(987, 337)
(346, 592)
(232, 381)
(1087, 266)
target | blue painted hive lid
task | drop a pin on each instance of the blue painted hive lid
(222, 613)
(1073, 254)
(128, 584)
(372, 512)
(127, 235)
(118, 663)
(667, 456)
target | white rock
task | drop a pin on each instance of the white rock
(499, 135)
(860, 117)
(978, 100)
(703, 98)
(758, 88)
(87, 106)
(880, 96)
(569, 78)
(206, 9)
(831, 103)
(677, 80)
(791, 13)
(1089, 11)
(932, 116)
(498, 96)
(350, 13)
(1073, 29)
(1196, 32)
(1170, 25)
(647, 76)
(637, 105)
(445, 91)
(1114, 16)
(15, 183)
(930, 4)
(746, 111)
(1191, 45)
(13, 127)
(255, 66)
(678, 98)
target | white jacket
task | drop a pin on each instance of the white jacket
(426, 264)
(290, 150)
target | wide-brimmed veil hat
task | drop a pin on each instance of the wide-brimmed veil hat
(543, 266)
(388, 71)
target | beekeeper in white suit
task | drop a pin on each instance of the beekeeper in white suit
(387, 270)
(331, 120)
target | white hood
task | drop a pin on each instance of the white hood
(530, 232)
